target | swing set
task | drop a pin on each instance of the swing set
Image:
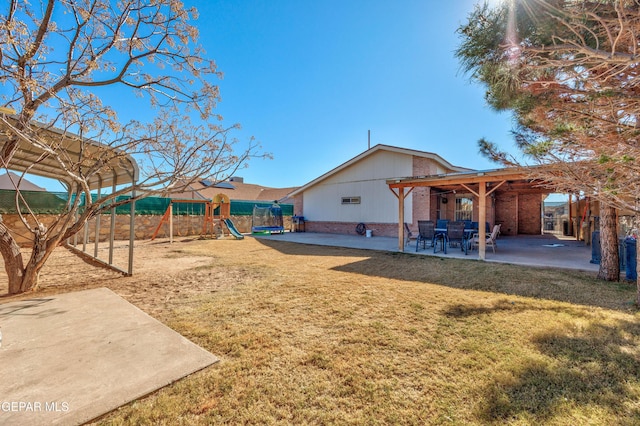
(220, 202)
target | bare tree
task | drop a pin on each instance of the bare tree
(55, 57)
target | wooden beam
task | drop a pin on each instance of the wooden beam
(470, 190)
(496, 187)
(396, 195)
(482, 219)
(401, 219)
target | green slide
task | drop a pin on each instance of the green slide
(232, 229)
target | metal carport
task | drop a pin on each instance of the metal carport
(120, 169)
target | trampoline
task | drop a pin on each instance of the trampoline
(267, 219)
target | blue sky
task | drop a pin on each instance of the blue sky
(308, 79)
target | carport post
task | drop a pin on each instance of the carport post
(482, 219)
(132, 230)
(96, 238)
(112, 226)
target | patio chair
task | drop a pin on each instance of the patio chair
(426, 234)
(490, 239)
(455, 235)
(408, 234)
(442, 223)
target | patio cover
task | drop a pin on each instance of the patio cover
(481, 183)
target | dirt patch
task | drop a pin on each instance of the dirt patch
(162, 272)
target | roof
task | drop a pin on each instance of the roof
(520, 176)
(377, 148)
(120, 168)
(9, 180)
(236, 191)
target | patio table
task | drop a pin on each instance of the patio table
(441, 234)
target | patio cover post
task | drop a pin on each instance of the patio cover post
(482, 219)
(401, 197)
(401, 219)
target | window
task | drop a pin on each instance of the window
(350, 200)
(464, 208)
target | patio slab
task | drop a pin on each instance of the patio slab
(536, 250)
(70, 358)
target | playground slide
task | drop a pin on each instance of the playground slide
(233, 230)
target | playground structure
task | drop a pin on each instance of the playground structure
(267, 219)
(212, 225)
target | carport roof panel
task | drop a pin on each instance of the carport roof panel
(120, 169)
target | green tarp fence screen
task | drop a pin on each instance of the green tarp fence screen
(54, 203)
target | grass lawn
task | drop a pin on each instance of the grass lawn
(321, 335)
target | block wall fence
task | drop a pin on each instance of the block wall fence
(145, 226)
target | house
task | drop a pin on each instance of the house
(236, 189)
(356, 191)
(387, 185)
(9, 181)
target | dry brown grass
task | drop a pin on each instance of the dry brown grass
(320, 335)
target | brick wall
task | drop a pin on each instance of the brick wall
(144, 227)
(506, 213)
(348, 228)
(529, 215)
(421, 195)
(298, 205)
(518, 213)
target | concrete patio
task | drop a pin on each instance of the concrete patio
(72, 357)
(531, 250)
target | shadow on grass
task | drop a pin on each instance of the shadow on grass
(304, 249)
(460, 311)
(544, 283)
(593, 370)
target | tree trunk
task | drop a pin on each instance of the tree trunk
(41, 251)
(609, 256)
(13, 263)
(24, 278)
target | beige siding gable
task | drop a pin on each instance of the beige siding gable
(365, 179)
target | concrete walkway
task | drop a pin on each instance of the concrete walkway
(539, 250)
(70, 358)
